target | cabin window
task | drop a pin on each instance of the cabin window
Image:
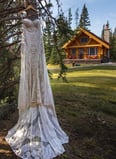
(92, 51)
(84, 39)
(73, 53)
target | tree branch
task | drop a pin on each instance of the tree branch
(8, 45)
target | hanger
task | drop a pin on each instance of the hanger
(30, 7)
(24, 12)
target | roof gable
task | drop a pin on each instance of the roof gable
(83, 32)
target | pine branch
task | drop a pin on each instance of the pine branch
(9, 85)
(10, 44)
(12, 10)
(11, 36)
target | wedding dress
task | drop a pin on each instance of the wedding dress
(37, 134)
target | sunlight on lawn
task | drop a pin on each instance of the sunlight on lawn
(95, 73)
(98, 86)
(88, 73)
(92, 78)
(49, 66)
(84, 84)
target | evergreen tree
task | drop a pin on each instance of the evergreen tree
(9, 51)
(69, 17)
(64, 31)
(48, 33)
(113, 46)
(102, 32)
(56, 55)
(61, 34)
(84, 18)
(77, 18)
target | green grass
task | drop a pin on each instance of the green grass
(86, 108)
(96, 87)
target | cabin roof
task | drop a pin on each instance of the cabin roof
(88, 33)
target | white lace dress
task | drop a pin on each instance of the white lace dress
(37, 134)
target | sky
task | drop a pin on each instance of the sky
(100, 11)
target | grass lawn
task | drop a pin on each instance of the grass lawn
(86, 109)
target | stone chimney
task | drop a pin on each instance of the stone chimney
(106, 34)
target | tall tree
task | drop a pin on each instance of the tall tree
(9, 49)
(84, 18)
(48, 33)
(102, 32)
(69, 17)
(77, 18)
(113, 46)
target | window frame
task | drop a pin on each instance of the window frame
(92, 52)
(84, 39)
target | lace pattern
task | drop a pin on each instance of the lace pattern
(37, 134)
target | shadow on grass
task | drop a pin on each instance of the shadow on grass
(97, 93)
(94, 67)
(86, 109)
(87, 114)
(86, 68)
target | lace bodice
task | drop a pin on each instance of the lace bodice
(30, 25)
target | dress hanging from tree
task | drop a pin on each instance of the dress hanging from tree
(37, 134)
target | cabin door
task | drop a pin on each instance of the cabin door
(81, 53)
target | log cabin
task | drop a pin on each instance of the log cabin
(86, 47)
